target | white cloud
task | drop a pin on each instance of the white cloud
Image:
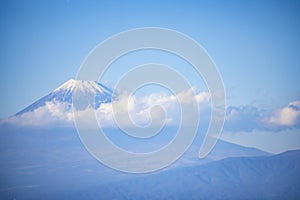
(286, 116)
(52, 113)
(154, 108)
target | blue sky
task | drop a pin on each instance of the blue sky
(255, 45)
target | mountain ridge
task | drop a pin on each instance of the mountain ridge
(261, 177)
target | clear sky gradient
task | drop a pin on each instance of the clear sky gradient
(255, 45)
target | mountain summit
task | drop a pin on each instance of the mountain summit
(63, 94)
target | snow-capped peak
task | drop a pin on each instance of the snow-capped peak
(69, 85)
(83, 85)
(64, 94)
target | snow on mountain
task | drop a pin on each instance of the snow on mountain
(63, 95)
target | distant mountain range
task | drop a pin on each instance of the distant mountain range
(53, 164)
(274, 177)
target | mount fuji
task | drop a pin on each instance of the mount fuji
(63, 95)
(55, 111)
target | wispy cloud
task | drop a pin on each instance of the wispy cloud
(243, 118)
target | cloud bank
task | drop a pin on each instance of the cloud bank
(249, 118)
(159, 107)
(142, 110)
